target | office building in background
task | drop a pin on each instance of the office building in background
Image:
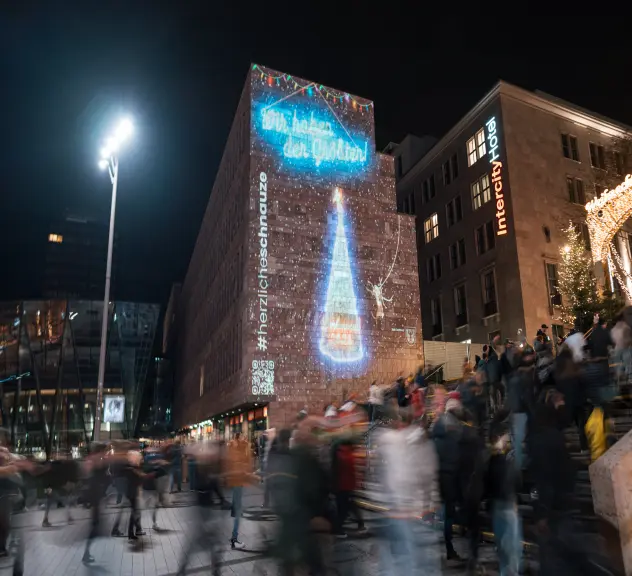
(491, 199)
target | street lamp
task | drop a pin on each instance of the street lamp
(109, 160)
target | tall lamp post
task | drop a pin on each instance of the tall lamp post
(109, 160)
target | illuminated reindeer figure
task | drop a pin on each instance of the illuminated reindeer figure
(376, 291)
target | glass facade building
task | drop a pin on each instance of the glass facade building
(49, 361)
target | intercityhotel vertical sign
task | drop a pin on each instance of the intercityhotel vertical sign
(497, 175)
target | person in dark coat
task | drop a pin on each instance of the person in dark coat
(570, 382)
(98, 481)
(519, 397)
(447, 432)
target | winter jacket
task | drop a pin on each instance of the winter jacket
(410, 470)
(552, 468)
(519, 384)
(344, 469)
(446, 433)
(493, 366)
(599, 342)
(502, 478)
(238, 464)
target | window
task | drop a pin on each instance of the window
(619, 164)
(450, 169)
(428, 189)
(569, 147)
(599, 190)
(481, 192)
(433, 266)
(582, 229)
(460, 305)
(431, 228)
(406, 206)
(461, 247)
(475, 147)
(485, 237)
(56, 238)
(490, 306)
(575, 188)
(398, 161)
(555, 297)
(457, 254)
(597, 156)
(435, 314)
(557, 331)
(480, 143)
(454, 211)
(412, 204)
(454, 166)
(447, 175)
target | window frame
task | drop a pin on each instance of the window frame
(431, 228)
(554, 296)
(436, 315)
(484, 192)
(570, 147)
(598, 155)
(484, 275)
(458, 312)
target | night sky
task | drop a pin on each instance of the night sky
(69, 69)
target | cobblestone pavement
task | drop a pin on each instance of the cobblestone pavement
(58, 550)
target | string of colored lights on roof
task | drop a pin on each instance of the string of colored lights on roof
(327, 93)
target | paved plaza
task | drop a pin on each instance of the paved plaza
(58, 550)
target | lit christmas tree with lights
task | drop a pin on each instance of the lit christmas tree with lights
(341, 334)
(576, 282)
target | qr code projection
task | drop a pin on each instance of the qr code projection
(263, 377)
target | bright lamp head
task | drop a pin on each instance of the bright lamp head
(103, 164)
(124, 130)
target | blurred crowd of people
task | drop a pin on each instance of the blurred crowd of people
(434, 454)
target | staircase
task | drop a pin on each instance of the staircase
(583, 512)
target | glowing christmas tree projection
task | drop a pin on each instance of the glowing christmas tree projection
(340, 332)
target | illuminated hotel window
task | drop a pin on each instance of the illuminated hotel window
(481, 192)
(431, 228)
(476, 147)
(56, 238)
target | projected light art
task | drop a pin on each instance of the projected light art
(312, 137)
(341, 334)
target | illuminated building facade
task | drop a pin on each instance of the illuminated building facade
(302, 287)
(491, 200)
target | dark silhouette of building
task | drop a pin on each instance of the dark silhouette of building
(75, 258)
